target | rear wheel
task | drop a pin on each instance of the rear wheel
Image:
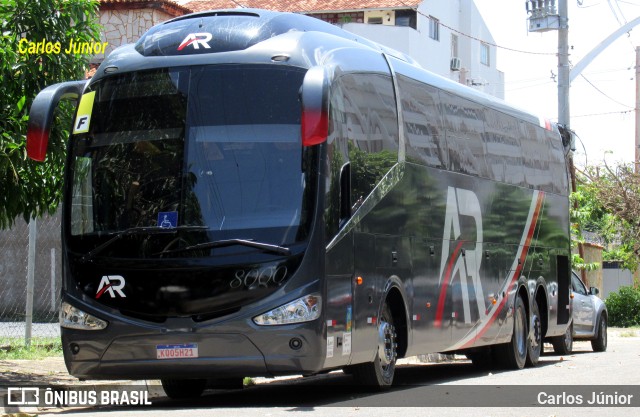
(599, 344)
(513, 355)
(379, 373)
(534, 341)
(180, 389)
(563, 345)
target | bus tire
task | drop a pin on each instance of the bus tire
(563, 345)
(180, 389)
(513, 355)
(599, 344)
(534, 340)
(379, 373)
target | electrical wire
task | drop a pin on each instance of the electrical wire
(603, 93)
(466, 35)
(603, 114)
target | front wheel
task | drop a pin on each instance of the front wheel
(599, 344)
(379, 373)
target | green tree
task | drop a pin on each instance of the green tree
(29, 188)
(608, 200)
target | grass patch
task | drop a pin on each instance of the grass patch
(40, 348)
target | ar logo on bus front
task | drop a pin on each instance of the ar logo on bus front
(111, 284)
(461, 263)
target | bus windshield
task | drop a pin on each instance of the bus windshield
(211, 146)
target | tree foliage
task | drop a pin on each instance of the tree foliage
(609, 204)
(29, 188)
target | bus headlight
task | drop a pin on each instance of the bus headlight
(74, 318)
(303, 309)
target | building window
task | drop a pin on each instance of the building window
(454, 46)
(406, 18)
(374, 20)
(434, 28)
(485, 55)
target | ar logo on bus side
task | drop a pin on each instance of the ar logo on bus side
(112, 284)
(460, 262)
(197, 40)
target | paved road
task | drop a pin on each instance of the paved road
(421, 387)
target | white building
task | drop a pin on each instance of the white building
(447, 37)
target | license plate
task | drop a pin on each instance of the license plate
(180, 351)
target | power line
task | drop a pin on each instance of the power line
(415, 9)
(603, 114)
(603, 93)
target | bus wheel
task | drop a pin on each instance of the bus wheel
(379, 373)
(534, 341)
(513, 355)
(180, 389)
(563, 345)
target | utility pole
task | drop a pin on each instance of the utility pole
(544, 17)
(564, 115)
(637, 109)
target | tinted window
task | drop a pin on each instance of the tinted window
(464, 124)
(577, 285)
(370, 117)
(214, 146)
(502, 141)
(423, 126)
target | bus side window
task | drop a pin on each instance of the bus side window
(535, 153)
(502, 141)
(464, 125)
(337, 159)
(557, 163)
(372, 130)
(423, 127)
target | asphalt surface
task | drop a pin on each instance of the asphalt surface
(445, 389)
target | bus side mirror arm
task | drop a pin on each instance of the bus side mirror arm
(41, 115)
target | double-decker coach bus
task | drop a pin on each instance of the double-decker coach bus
(252, 193)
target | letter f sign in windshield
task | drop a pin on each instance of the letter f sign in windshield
(196, 39)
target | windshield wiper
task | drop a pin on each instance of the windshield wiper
(151, 230)
(267, 247)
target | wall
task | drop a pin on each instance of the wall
(126, 26)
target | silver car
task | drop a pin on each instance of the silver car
(589, 319)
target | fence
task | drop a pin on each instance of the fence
(30, 296)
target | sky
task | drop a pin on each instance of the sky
(602, 102)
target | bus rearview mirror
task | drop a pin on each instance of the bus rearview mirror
(41, 115)
(315, 107)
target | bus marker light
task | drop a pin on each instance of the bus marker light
(416, 317)
(331, 323)
(359, 280)
(428, 305)
(372, 320)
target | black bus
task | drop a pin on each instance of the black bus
(252, 193)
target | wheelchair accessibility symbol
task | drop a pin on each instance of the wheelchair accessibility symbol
(168, 219)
